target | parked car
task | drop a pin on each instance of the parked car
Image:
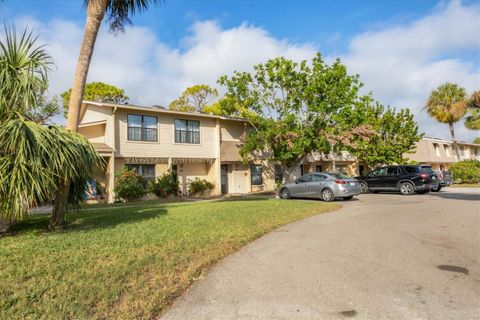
(321, 185)
(445, 177)
(407, 179)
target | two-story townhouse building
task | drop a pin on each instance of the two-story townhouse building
(154, 139)
(440, 153)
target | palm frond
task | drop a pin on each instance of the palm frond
(119, 12)
(23, 69)
(34, 158)
(447, 104)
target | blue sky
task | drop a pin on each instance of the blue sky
(402, 49)
(328, 23)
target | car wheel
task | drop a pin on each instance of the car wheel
(348, 198)
(437, 189)
(363, 187)
(327, 195)
(285, 193)
(406, 188)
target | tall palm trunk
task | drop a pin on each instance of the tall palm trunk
(95, 13)
(455, 145)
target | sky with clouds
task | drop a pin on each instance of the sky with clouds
(402, 49)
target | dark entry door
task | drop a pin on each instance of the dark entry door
(224, 178)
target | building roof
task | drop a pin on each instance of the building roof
(160, 109)
(102, 147)
(450, 141)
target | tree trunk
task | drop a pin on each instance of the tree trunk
(95, 13)
(4, 225)
(57, 219)
(455, 145)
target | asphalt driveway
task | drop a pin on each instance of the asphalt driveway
(383, 256)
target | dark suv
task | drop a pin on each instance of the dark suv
(404, 178)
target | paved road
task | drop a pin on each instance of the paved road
(383, 256)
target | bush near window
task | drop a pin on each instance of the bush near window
(466, 171)
(199, 186)
(128, 185)
(165, 185)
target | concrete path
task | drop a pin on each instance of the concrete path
(384, 256)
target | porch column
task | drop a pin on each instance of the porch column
(217, 174)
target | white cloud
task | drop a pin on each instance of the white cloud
(401, 64)
(152, 72)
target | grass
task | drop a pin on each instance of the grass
(125, 263)
(465, 185)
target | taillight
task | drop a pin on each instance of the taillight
(423, 175)
(341, 182)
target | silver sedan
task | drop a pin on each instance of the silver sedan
(321, 185)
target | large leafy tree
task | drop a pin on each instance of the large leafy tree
(295, 109)
(33, 157)
(46, 107)
(472, 120)
(118, 13)
(448, 104)
(396, 133)
(97, 91)
(196, 98)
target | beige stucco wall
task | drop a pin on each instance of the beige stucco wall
(231, 130)
(190, 171)
(95, 134)
(165, 146)
(94, 113)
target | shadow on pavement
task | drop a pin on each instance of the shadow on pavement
(456, 196)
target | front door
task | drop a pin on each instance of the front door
(224, 178)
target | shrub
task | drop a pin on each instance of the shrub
(165, 185)
(128, 185)
(199, 186)
(466, 171)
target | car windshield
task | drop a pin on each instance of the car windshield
(427, 170)
(338, 175)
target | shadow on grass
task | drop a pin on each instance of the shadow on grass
(88, 220)
(245, 198)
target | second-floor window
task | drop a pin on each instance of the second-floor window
(187, 131)
(142, 128)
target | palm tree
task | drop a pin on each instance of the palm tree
(472, 121)
(447, 104)
(118, 13)
(33, 158)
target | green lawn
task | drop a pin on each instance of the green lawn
(465, 185)
(128, 262)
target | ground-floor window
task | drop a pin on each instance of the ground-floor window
(342, 168)
(318, 168)
(147, 171)
(256, 174)
(278, 173)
